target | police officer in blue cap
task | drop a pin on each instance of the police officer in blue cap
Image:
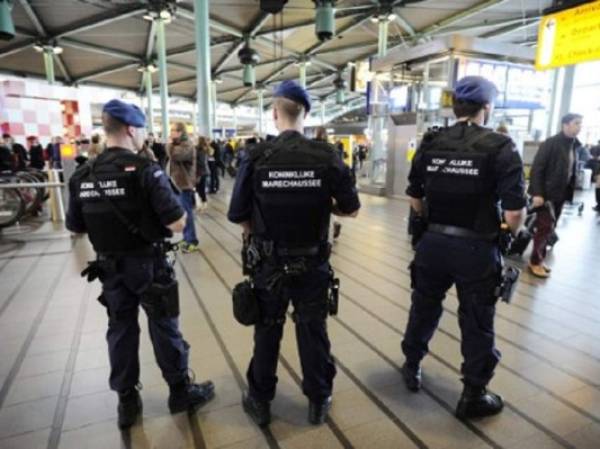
(459, 177)
(128, 208)
(285, 192)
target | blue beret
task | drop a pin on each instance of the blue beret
(475, 89)
(128, 113)
(293, 91)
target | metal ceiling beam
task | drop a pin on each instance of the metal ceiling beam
(256, 25)
(99, 20)
(106, 71)
(150, 39)
(487, 24)
(311, 22)
(68, 42)
(265, 80)
(400, 20)
(510, 29)
(41, 30)
(347, 48)
(260, 64)
(266, 41)
(458, 17)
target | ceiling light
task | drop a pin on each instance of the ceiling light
(38, 48)
(57, 50)
(151, 68)
(391, 16)
(374, 19)
(149, 17)
(165, 14)
(218, 80)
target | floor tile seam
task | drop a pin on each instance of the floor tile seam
(21, 434)
(266, 433)
(453, 368)
(62, 403)
(503, 338)
(339, 437)
(513, 371)
(545, 336)
(237, 262)
(50, 294)
(404, 249)
(524, 295)
(21, 283)
(10, 258)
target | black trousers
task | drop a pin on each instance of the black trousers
(474, 266)
(308, 294)
(214, 177)
(201, 188)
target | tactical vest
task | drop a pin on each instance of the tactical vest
(460, 184)
(121, 220)
(292, 192)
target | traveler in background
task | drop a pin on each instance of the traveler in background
(202, 170)
(336, 226)
(96, 146)
(158, 149)
(502, 129)
(552, 182)
(213, 157)
(53, 152)
(19, 153)
(182, 155)
(36, 153)
(6, 162)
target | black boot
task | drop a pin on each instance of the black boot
(318, 411)
(259, 411)
(130, 406)
(412, 376)
(597, 206)
(477, 402)
(188, 395)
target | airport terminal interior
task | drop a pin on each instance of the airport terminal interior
(379, 74)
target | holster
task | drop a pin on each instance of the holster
(334, 294)
(161, 300)
(417, 225)
(507, 284)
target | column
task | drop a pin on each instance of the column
(302, 68)
(49, 64)
(383, 37)
(149, 110)
(235, 120)
(203, 88)
(261, 104)
(162, 76)
(213, 106)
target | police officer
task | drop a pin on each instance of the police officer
(463, 173)
(284, 194)
(127, 206)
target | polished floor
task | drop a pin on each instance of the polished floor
(54, 364)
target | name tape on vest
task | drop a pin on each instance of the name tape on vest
(461, 167)
(282, 179)
(110, 188)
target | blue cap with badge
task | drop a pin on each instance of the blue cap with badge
(127, 113)
(475, 89)
(293, 91)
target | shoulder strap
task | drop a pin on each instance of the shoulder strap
(131, 227)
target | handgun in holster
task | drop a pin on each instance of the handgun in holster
(508, 283)
(161, 298)
(334, 294)
(250, 257)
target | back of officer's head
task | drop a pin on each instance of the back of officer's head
(473, 96)
(290, 106)
(124, 125)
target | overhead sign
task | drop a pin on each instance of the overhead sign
(569, 37)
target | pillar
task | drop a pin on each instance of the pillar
(383, 37)
(261, 105)
(203, 88)
(149, 109)
(49, 64)
(567, 94)
(303, 74)
(213, 104)
(162, 76)
(235, 120)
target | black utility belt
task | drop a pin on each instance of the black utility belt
(269, 248)
(455, 231)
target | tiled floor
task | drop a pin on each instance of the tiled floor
(54, 364)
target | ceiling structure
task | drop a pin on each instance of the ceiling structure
(104, 42)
